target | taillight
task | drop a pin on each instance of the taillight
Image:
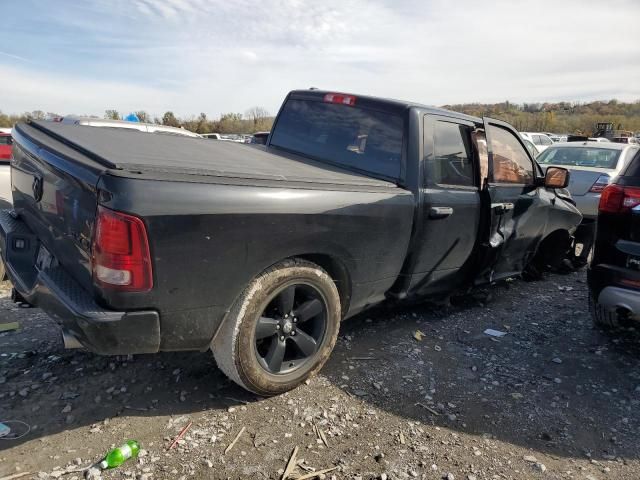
(340, 98)
(619, 199)
(121, 258)
(600, 184)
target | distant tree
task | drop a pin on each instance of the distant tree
(258, 116)
(37, 115)
(170, 120)
(111, 115)
(230, 123)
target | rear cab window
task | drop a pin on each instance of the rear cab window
(6, 140)
(346, 135)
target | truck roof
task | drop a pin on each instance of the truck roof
(385, 104)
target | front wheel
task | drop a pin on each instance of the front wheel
(281, 330)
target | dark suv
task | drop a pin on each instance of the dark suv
(614, 273)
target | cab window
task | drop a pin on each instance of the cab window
(451, 162)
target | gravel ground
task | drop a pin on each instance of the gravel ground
(554, 398)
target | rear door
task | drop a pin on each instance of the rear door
(450, 204)
(517, 214)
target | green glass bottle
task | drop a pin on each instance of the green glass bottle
(118, 456)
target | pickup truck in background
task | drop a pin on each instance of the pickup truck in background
(140, 243)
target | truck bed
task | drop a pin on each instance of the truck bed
(132, 152)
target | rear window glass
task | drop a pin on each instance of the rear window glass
(580, 157)
(5, 140)
(348, 136)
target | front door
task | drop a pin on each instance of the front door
(515, 224)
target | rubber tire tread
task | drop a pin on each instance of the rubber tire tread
(225, 344)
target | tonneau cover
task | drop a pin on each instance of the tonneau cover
(131, 150)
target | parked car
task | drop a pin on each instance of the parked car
(629, 140)
(5, 171)
(531, 147)
(584, 138)
(159, 243)
(212, 136)
(259, 138)
(558, 138)
(614, 272)
(142, 127)
(593, 165)
(542, 141)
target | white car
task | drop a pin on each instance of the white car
(143, 127)
(542, 141)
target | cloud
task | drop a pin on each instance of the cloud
(16, 57)
(216, 56)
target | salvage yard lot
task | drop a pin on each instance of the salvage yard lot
(554, 398)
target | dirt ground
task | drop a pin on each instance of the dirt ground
(554, 398)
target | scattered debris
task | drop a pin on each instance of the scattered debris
(317, 473)
(228, 449)
(320, 435)
(419, 335)
(6, 327)
(428, 409)
(180, 435)
(494, 333)
(15, 475)
(291, 464)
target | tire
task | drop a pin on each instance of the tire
(239, 349)
(602, 317)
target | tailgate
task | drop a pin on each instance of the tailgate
(54, 193)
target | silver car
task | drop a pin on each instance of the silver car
(593, 165)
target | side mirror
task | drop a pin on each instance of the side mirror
(556, 177)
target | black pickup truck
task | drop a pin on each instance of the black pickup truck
(139, 243)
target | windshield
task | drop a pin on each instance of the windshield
(5, 140)
(349, 136)
(580, 157)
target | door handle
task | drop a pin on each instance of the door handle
(500, 208)
(436, 213)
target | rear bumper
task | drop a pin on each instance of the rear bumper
(615, 298)
(607, 287)
(98, 329)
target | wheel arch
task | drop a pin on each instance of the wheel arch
(338, 273)
(553, 247)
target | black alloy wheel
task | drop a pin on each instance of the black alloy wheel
(291, 328)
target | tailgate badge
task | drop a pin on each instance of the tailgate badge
(36, 188)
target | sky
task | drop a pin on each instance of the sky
(216, 56)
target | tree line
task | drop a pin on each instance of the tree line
(561, 117)
(255, 119)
